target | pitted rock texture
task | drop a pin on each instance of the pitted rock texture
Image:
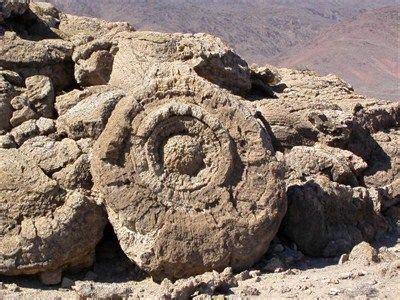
(43, 227)
(189, 179)
(48, 57)
(143, 55)
(341, 154)
(184, 161)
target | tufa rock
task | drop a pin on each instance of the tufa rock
(364, 253)
(325, 218)
(43, 227)
(145, 55)
(185, 170)
(88, 117)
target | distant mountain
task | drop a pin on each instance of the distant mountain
(261, 31)
(364, 51)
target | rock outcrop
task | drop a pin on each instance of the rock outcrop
(187, 191)
(194, 157)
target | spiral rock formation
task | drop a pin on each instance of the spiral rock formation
(189, 179)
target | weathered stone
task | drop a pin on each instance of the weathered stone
(42, 227)
(77, 27)
(32, 128)
(325, 218)
(206, 283)
(7, 141)
(89, 117)
(66, 101)
(384, 161)
(76, 175)
(175, 214)
(48, 57)
(93, 62)
(51, 155)
(143, 55)
(338, 165)
(40, 94)
(25, 131)
(305, 122)
(95, 70)
(364, 253)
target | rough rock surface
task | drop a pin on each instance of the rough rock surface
(143, 55)
(183, 152)
(327, 219)
(341, 153)
(89, 116)
(43, 227)
(190, 151)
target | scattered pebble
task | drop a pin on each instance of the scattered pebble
(13, 287)
(334, 292)
(255, 273)
(243, 276)
(344, 258)
(250, 291)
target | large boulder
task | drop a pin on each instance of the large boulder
(143, 55)
(43, 227)
(325, 218)
(48, 57)
(189, 179)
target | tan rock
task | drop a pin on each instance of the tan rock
(75, 28)
(51, 155)
(76, 175)
(68, 100)
(95, 70)
(32, 128)
(36, 101)
(143, 55)
(325, 218)
(48, 57)
(89, 116)
(206, 283)
(42, 227)
(364, 253)
(338, 165)
(185, 170)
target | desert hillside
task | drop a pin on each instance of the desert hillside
(364, 51)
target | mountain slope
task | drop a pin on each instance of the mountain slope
(364, 51)
(279, 32)
(257, 29)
